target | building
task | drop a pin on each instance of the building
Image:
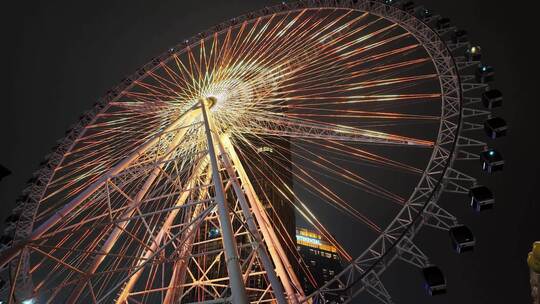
(273, 155)
(269, 169)
(281, 211)
(321, 259)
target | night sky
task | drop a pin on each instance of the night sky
(61, 56)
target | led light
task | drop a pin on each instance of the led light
(214, 232)
(491, 153)
(29, 301)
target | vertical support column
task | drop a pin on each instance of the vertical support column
(229, 243)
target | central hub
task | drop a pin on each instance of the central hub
(210, 101)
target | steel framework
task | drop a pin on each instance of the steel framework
(217, 192)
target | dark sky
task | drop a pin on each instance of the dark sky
(60, 56)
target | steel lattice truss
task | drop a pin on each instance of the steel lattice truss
(162, 192)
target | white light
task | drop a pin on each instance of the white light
(29, 301)
(265, 149)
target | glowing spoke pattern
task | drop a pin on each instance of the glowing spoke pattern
(325, 131)
(312, 101)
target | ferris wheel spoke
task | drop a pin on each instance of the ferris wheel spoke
(303, 209)
(305, 79)
(311, 38)
(343, 150)
(264, 54)
(336, 59)
(159, 88)
(99, 167)
(168, 84)
(339, 72)
(336, 132)
(57, 260)
(308, 182)
(177, 77)
(358, 114)
(364, 99)
(185, 73)
(299, 49)
(355, 86)
(280, 185)
(57, 217)
(343, 175)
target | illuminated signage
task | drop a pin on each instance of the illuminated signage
(308, 240)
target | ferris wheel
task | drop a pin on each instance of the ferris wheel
(176, 186)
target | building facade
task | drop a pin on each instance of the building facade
(321, 259)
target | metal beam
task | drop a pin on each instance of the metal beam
(180, 265)
(236, 281)
(122, 298)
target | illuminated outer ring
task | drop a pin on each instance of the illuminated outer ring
(391, 243)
